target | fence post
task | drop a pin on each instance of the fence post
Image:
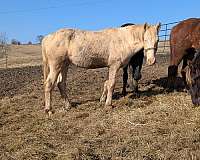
(6, 54)
(165, 37)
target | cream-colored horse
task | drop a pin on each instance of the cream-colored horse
(112, 48)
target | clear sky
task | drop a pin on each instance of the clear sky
(25, 19)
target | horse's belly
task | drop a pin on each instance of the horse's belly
(89, 62)
(89, 55)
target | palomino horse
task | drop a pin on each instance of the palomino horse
(112, 48)
(184, 40)
(134, 67)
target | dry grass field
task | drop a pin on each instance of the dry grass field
(158, 125)
(23, 55)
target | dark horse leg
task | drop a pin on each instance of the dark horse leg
(186, 56)
(125, 78)
(136, 66)
(176, 57)
(136, 69)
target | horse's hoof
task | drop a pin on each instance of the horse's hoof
(124, 93)
(136, 94)
(48, 112)
(186, 91)
(108, 107)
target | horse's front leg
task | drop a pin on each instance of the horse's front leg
(111, 83)
(136, 77)
(125, 78)
(131, 70)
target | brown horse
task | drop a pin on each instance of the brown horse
(184, 40)
(112, 48)
(193, 78)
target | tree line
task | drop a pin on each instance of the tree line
(4, 39)
(39, 39)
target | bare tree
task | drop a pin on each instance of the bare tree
(29, 43)
(15, 42)
(39, 38)
(4, 47)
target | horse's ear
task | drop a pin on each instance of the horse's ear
(145, 26)
(158, 26)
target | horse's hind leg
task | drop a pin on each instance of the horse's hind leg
(105, 91)
(132, 81)
(111, 83)
(62, 87)
(49, 85)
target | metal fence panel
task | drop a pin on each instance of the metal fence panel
(164, 35)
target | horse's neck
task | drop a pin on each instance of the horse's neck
(136, 49)
(135, 45)
(137, 40)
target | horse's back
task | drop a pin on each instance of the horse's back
(58, 37)
(185, 30)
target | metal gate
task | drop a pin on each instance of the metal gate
(164, 34)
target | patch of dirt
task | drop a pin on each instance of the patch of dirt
(156, 125)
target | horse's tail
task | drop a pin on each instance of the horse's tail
(45, 61)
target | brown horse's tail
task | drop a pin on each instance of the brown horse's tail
(45, 62)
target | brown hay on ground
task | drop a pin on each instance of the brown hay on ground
(157, 125)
